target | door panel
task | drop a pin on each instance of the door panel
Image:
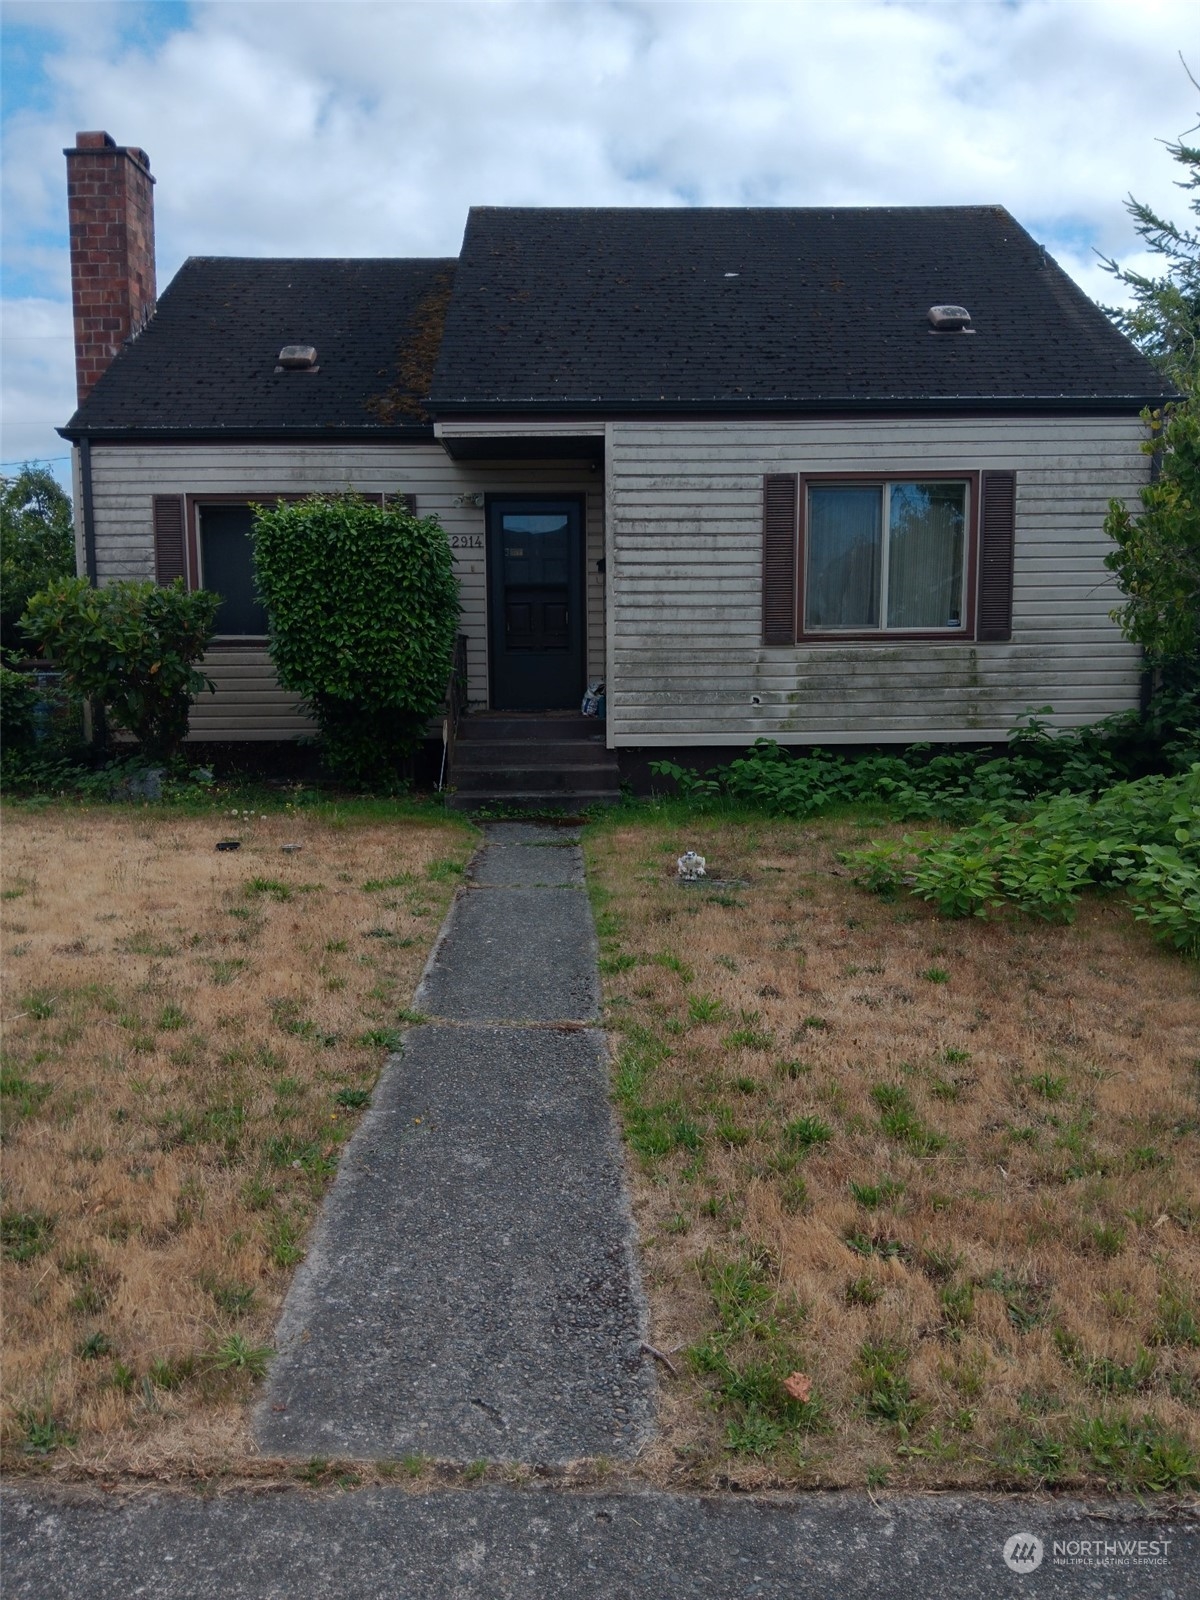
(536, 610)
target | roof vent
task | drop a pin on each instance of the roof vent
(297, 358)
(949, 319)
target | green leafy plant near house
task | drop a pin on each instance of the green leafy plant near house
(951, 785)
(131, 647)
(363, 609)
(1143, 837)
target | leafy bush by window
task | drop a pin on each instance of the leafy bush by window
(363, 609)
(131, 647)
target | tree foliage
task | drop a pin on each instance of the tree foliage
(131, 647)
(1157, 554)
(1164, 319)
(1157, 549)
(363, 609)
(37, 543)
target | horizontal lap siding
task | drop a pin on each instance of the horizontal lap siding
(126, 477)
(685, 559)
(248, 703)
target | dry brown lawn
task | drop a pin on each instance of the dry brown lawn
(942, 1175)
(189, 1037)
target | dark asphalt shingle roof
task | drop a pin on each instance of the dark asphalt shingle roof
(735, 309)
(607, 310)
(205, 361)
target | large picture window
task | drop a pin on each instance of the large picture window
(924, 556)
(887, 557)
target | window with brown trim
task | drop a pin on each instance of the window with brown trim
(895, 556)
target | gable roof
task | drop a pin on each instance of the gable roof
(205, 362)
(771, 309)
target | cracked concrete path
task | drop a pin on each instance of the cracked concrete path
(471, 1289)
(502, 1544)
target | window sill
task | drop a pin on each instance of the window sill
(913, 636)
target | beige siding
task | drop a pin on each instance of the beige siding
(249, 703)
(684, 517)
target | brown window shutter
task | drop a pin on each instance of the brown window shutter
(169, 560)
(409, 502)
(779, 558)
(997, 521)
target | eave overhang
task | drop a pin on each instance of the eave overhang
(410, 433)
(820, 405)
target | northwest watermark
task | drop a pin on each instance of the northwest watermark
(1025, 1552)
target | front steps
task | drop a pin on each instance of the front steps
(535, 761)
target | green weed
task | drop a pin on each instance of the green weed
(1136, 1454)
(805, 1133)
(887, 1393)
(25, 1235)
(863, 1291)
(706, 1008)
(749, 1039)
(237, 1354)
(1175, 1319)
(284, 1237)
(873, 1195)
(270, 888)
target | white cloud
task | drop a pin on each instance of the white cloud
(368, 128)
(39, 373)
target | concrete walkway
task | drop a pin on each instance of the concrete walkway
(497, 1544)
(471, 1290)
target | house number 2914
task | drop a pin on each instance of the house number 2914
(466, 541)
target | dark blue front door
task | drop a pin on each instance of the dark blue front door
(535, 603)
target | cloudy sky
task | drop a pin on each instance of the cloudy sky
(367, 127)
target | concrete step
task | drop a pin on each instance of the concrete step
(546, 780)
(533, 800)
(499, 753)
(532, 762)
(532, 725)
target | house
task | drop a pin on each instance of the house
(828, 476)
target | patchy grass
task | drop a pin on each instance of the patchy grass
(919, 1200)
(190, 1037)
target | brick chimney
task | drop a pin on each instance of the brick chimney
(110, 205)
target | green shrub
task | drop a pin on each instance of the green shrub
(18, 708)
(131, 647)
(41, 734)
(1143, 836)
(363, 608)
(37, 543)
(952, 785)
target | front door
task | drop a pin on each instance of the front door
(536, 619)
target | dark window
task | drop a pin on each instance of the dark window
(227, 568)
